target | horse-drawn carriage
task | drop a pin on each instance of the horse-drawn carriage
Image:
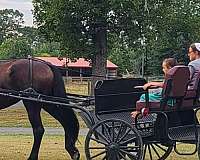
(113, 133)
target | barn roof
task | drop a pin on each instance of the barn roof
(80, 63)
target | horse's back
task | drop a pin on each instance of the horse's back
(24, 73)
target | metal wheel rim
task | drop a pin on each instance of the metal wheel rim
(119, 140)
(157, 151)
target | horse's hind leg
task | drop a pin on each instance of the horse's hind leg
(33, 110)
(68, 120)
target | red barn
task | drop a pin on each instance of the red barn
(79, 68)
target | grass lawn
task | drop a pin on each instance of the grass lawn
(17, 117)
(17, 147)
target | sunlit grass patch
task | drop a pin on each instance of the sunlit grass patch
(18, 147)
(17, 117)
(80, 88)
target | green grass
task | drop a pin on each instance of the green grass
(18, 147)
(77, 87)
(17, 117)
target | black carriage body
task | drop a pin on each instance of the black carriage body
(115, 99)
(117, 95)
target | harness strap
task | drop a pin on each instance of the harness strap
(30, 75)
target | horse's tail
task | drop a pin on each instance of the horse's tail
(72, 124)
(59, 86)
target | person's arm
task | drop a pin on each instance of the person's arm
(192, 70)
(156, 84)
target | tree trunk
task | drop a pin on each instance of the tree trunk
(100, 58)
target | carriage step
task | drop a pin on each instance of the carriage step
(184, 133)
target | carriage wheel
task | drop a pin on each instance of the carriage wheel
(198, 147)
(157, 151)
(113, 139)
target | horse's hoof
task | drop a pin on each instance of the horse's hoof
(33, 157)
(76, 156)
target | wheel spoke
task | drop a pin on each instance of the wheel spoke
(113, 139)
(121, 155)
(113, 131)
(145, 149)
(99, 141)
(106, 129)
(104, 157)
(130, 148)
(128, 140)
(124, 135)
(98, 154)
(102, 136)
(97, 147)
(118, 157)
(155, 151)
(161, 147)
(120, 129)
(129, 153)
(150, 154)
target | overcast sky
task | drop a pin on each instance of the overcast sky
(24, 6)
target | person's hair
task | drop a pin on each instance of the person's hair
(170, 62)
(194, 48)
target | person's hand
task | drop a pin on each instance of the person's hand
(134, 114)
(147, 85)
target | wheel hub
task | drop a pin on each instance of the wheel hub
(113, 147)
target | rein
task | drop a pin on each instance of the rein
(30, 71)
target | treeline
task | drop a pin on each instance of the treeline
(19, 41)
(131, 33)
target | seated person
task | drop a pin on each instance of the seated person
(194, 65)
(187, 117)
(156, 95)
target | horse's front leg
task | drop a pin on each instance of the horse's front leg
(38, 129)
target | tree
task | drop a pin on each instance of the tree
(82, 27)
(31, 34)
(177, 26)
(10, 21)
(47, 48)
(145, 30)
(167, 29)
(15, 48)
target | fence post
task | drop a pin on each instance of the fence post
(89, 87)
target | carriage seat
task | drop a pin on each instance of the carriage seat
(175, 87)
(191, 98)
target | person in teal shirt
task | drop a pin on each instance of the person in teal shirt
(156, 94)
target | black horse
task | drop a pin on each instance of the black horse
(46, 79)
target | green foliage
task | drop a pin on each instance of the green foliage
(135, 28)
(31, 34)
(10, 21)
(75, 22)
(167, 28)
(15, 48)
(49, 48)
